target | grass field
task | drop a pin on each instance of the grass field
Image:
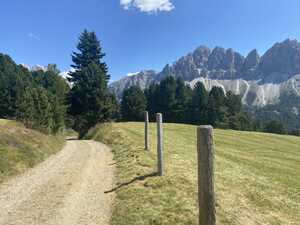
(257, 176)
(22, 148)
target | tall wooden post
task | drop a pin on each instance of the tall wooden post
(205, 148)
(160, 160)
(146, 131)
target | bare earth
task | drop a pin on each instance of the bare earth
(67, 189)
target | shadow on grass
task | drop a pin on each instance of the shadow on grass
(139, 178)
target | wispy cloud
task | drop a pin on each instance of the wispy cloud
(33, 36)
(148, 5)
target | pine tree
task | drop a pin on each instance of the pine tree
(233, 103)
(133, 104)
(152, 97)
(182, 96)
(90, 51)
(89, 99)
(198, 107)
(26, 108)
(167, 98)
(216, 109)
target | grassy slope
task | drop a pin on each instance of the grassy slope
(21, 148)
(257, 176)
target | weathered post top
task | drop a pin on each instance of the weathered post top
(206, 195)
(160, 160)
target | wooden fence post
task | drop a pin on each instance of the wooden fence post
(146, 130)
(160, 160)
(206, 195)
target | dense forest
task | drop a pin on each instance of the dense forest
(44, 100)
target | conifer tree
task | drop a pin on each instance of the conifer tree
(89, 51)
(89, 99)
(198, 107)
(133, 104)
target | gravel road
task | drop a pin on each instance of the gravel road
(66, 189)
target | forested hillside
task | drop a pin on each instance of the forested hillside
(35, 98)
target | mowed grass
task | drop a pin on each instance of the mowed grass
(257, 176)
(22, 148)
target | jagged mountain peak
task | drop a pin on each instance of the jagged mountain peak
(251, 60)
(278, 65)
(281, 61)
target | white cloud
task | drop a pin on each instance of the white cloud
(33, 36)
(148, 5)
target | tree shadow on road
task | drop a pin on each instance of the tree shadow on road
(139, 178)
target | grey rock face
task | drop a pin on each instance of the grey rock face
(200, 56)
(277, 66)
(143, 79)
(252, 60)
(280, 62)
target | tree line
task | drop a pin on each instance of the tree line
(179, 103)
(35, 98)
(45, 101)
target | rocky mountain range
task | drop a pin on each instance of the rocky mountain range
(260, 80)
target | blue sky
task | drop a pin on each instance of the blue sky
(142, 34)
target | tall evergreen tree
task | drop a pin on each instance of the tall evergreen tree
(182, 99)
(233, 103)
(89, 99)
(216, 109)
(167, 98)
(198, 106)
(89, 51)
(152, 97)
(133, 104)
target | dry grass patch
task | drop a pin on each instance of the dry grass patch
(22, 148)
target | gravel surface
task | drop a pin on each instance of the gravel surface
(67, 189)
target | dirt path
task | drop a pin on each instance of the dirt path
(66, 189)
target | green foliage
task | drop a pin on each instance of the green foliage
(35, 98)
(13, 79)
(286, 112)
(89, 100)
(198, 107)
(274, 127)
(133, 104)
(180, 104)
(90, 51)
(151, 94)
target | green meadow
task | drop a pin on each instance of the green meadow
(257, 176)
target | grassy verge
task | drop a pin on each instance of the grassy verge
(22, 148)
(257, 176)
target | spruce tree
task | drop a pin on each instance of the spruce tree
(182, 99)
(133, 104)
(89, 99)
(167, 98)
(216, 108)
(198, 107)
(152, 97)
(89, 51)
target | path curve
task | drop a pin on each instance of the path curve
(67, 189)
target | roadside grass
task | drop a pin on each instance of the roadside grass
(257, 176)
(22, 148)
